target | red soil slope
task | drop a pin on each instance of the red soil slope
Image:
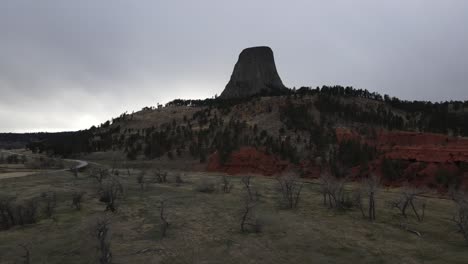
(248, 160)
(413, 146)
(423, 155)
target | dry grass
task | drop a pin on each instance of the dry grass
(204, 227)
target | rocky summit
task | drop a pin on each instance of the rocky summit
(254, 73)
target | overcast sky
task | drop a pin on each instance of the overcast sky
(68, 65)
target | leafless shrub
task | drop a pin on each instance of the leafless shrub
(246, 218)
(252, 194)
(128, 169)
(27, 212)
(74, 171)
(77, 198)
(100, 174)
(325, 180)
(205, 186)
(178, 179)
(408, 199)
(111, 191)
(102, 230)
(290, 188)
(14, 213)
(226, 184)
(114, 171)
(160, 176)
(461, 215)
(27, 254)
(50, 201)
(250, 222)
(332, 189)
(357, 199)
(164, 223)
(141, 179)
(7, 213)
(369, 189)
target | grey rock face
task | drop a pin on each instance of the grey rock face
(254, 73)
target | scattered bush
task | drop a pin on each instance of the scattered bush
(461, 215)
(178, 179)
(162, 215)
(77, 198)
(247, 219)
(102, 230)
(250, 222)
(141, 180)
(160, 176)
(14, 213)
(408, 199)
(205, 186)
(332, 189)
(290, 188)
(100, 174)
(110, 193)
(369, 188)
(27, 254)
(50, 201)
(226, 184)
(251, 193)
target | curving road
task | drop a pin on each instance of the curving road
(80, 164)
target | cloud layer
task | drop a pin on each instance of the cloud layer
(67, 65)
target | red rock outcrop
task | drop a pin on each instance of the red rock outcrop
(414, 146)
(248, 160)
(424, 154)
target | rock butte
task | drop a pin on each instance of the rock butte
(255, 72)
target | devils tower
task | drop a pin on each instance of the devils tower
(254, 73)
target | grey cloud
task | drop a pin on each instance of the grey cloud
(71, 64)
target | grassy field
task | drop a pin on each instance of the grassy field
(205, 227)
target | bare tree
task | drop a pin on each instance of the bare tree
(14, 213)
(27, 254)
(114, 171)
(251, 193)
(178, 179)
(290, 188)
(50, 200)
(74, 171)
(205, 186)
(247, 214)
(110, 193)
(370, 187)
(226, 184)
(162, 216)
(249, 222)
(325, 181)
(332, 189)
(7, 218)
(77, 198)
(128, 169)
(408, 199)
(102, 234)
(461, 216)
(358, 202)
(100, 174)
(160, 176)
(141, 179)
